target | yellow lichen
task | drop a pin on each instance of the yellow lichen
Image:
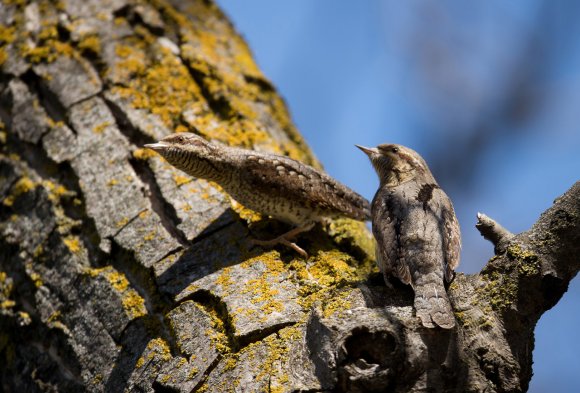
(224, 279)
(73, 243)
(99, 128)
(56, 191)
(159, 346)
(143, 154)
(122, 222)
(47, 52)
(133, 303)
(337, 304)
(245, 213)
(22, 186)
(7, 34)
(90, 44)
(150, 236)
(180, 180)
(3, 57)
(500, 289)
(7, 304)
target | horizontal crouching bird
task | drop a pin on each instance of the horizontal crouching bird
(416, 231)
(270, 184)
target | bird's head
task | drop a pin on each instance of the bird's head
(396, 164)
(190, 153)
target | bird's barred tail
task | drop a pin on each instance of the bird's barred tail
(432, 304)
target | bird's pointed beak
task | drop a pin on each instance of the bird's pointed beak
(157, 146)
(367, 150)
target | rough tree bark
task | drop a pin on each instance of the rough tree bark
(119, 273)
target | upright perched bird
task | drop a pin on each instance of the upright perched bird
(416, 230)
(274, 185)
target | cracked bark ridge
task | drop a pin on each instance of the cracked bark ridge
(118, 273)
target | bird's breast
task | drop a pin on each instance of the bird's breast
(273, 204)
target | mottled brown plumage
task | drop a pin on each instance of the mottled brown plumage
(417, 233)
(274, 185)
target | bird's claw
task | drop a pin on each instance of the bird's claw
(281, 240)
(284, 239)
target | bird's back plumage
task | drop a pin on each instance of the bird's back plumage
(273, 179)
(418, 241)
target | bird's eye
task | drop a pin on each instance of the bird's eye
(395, 149)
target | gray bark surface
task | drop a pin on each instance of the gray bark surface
(119, 273)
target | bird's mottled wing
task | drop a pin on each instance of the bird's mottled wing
(451, 236)
(386, 230)
(305, 185)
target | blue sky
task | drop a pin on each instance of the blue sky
(487, 92)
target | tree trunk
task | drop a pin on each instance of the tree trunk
(117, 272)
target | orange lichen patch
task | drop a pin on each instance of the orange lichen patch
(122, 222)
(90, 44)
(73, 243)
(133, 303)
(224, 279)
(245, 213)
(47, 48)
(99, 128)
(263, 294)
(156, 348)
(34, 276)
(22, 186)
(53, 124)
(270, 367)
(56, 191)
(216, 334)
(143, 154)
(164, 86)
(180, 179)
(7, 36)
(133, 59)
(337, 303)
(6, 287)
(150, 236)
(7, 304)
(3, 56)
(261, 291)
(181, 128)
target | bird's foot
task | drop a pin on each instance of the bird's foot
(285, 240)
(281, 240)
